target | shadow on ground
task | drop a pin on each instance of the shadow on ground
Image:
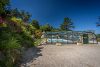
(30, 55)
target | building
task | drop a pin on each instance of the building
(71, 37)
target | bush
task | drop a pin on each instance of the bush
(8, 41)
(26, 40)
(9, 46)
(38, 34)
(37, 42)
(3, 25)
(11, 56)
(11, 42)
(98, 39)
(16, 20)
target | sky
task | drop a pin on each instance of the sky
(84, 13)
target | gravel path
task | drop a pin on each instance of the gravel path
(66, 56)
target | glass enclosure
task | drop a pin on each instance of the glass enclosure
(70, 37)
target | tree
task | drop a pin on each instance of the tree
(15, 12)
(56, 30)
(25, 16)
(3, 4)
(35, 24)
(46, 27)
(67, 25)
(98, 35)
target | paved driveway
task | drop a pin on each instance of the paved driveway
(68, 56)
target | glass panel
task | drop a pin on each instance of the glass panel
(69, 36)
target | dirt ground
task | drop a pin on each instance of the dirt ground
(63, 56)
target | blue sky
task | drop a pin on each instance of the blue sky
(84, 13)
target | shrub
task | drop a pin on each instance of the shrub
(8, 41)
(16, 20)
(9, 46)
(37, 42)
(3, 25)
(98, 39)
(25, 40)
(38, 34)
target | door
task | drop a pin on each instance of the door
(85, 39)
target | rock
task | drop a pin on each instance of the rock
(79, 43)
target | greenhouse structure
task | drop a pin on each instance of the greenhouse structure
(71, 37)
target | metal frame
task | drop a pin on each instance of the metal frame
(71, 37)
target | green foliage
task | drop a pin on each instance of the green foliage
(8, 41)
(17, 20)
(27, 40)
(10, 57)
(46, 27)
(67, 25)
(3, 4)
(9, 46)
(56, 30)
(31, 27)
(24, 39)
(98, 39)
(37, 42)
(38, 34)
(3, 25)
(24, 29)
(98, 35)
(11, 43)
(15, 12)
(25, 16)
(35, 24)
